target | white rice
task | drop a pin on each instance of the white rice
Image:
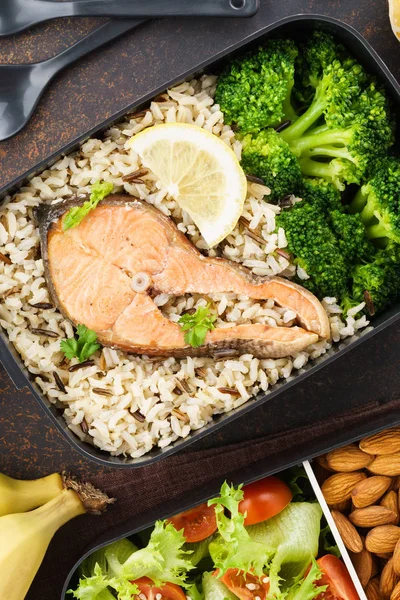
(171, 409)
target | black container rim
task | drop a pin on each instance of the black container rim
(20, 375)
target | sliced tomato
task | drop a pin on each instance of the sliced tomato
(337, 578)
(245, 585)
(264, 499)
(169, 591)
(197, 524)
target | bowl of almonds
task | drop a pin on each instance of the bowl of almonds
(361, 485)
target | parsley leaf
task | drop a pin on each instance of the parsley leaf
(197, 325)
(83, 347)
(75, 215)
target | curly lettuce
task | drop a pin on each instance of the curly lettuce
(115, 566)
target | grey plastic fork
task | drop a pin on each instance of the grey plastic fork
(21, 86)
(16, 15)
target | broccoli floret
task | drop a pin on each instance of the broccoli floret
(378, 201)
(349, 230)
(356, 123)
(254, 91)
(315, 55)
(376, 283)
(267, 156)
(320, 193)
(315, 249)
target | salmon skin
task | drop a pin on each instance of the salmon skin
(89, 271)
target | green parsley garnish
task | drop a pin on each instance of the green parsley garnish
(197, 325)
(75, 215)
(83, 347)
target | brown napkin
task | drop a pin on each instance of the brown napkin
(138, 490)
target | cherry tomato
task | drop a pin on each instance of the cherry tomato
(264, 499)
(169, 591)
(245, 585)
(337, 578)
(197, 524)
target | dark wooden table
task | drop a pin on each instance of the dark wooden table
(106, 82)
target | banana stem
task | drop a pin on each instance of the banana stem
(19, 496)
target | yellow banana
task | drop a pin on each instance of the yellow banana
(24, 538)
(17, 495)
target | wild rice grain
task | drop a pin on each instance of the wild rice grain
(201, 372)
(369, 303)
(138, 416)
(59, 382)
(255, 237)
(231, 391)
(135, 175)
(102, 363)
(46, 332)
(180, 415)
(5, 259)
(84, 426)
(11, 291)
(183, 386)
(254, 179)
(102, 392)
(283, 253)
(283, 125)
(137, 115)
(86, 363)
(43, 305)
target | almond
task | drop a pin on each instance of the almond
(349, 534)
(321, 460)
(371, 516)
(389, 500)
(364, 565)
(369, 490)
(396, 559)
(338, 487)
(386, 464)
(384, 442)
(348, 459)
(372, 590)
(343, 507)
(395, 595)
(382, 539)
(388, 579)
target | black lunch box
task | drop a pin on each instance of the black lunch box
(297, 26)
(262, 468)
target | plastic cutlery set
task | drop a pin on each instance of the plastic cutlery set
(21, 86)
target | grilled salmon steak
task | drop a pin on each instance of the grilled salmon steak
(91, 268)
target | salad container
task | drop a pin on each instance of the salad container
(199, 496)
(296, 27)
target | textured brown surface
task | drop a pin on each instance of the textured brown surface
(78, 100)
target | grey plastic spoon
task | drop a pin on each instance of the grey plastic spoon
(16, 15)
(21, 86)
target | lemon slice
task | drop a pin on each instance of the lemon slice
(394, 16)
(199, 171)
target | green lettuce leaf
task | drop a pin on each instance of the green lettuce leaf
(193, 592)
(198, 550)
(307, 588)
(299, 483)
(234, 548)
(327, 544)
(162, 560)
(294, 536)
(97, 587)
(214, 589)
(76, 214)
